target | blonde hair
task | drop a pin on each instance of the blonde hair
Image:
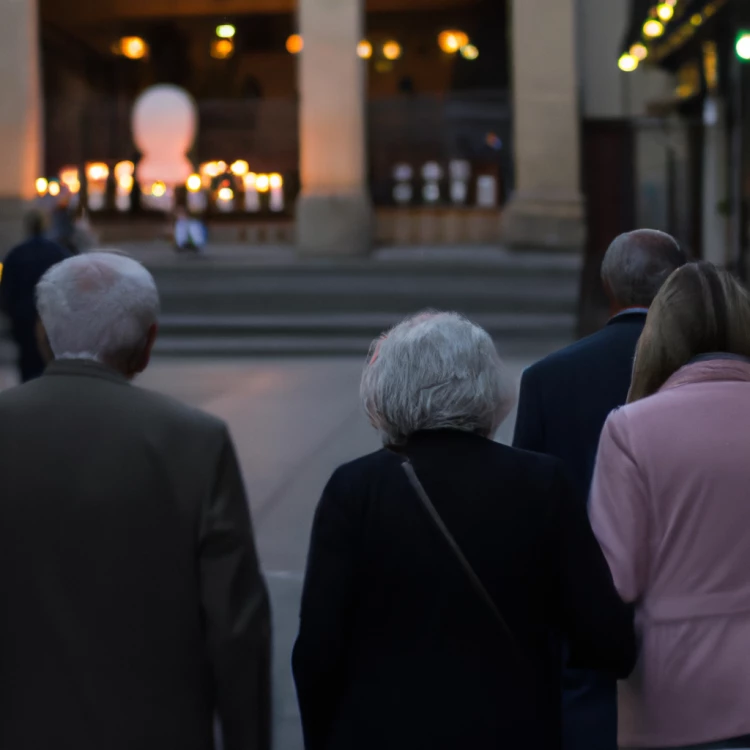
(701, 309)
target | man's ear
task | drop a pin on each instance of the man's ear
(142, 359)
(42, 342)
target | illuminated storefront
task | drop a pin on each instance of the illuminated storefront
(706, 44)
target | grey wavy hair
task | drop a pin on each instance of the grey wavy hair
(435, 371)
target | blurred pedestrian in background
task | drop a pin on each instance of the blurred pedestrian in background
(63, 223)
(669, 503)
(426, 626)
(70, 226)
(565, 400)
(189, 232)
(23, 267)
(133, 606)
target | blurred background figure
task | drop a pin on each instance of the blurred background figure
(189, 232)
(134, 607)
(63, 224)
(70, 226)
(23, 268)
(564, 402)
(669, 504)
(397, 648)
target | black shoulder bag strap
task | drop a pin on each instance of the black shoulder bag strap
(474, 579)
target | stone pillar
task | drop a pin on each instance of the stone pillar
(334, 215)
(20, 114)
(715, 180)
(546, 209)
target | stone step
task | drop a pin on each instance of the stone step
(500, 325)
(239, 301)
(296, 346)
(350, 333)
(218, 289)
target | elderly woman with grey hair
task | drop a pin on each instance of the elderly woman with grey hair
(444, 568)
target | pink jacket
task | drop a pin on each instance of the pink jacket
(670, 506)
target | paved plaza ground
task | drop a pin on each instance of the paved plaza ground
(294, 421)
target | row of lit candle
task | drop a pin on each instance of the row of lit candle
(159, 196)
(222, 47)
(450, 42)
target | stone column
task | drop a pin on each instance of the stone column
(546, 209)
(715, 181)
(333, 212)
(20, 114)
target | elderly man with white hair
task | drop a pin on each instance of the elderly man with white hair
(133, 609)
(440, 566)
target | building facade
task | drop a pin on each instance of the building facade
(533, 106)
(705, 46)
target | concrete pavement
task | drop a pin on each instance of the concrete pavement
(293, 421)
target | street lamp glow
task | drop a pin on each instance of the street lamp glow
(262, 183)
(226, 31)
(627, 62)
(639, 51)
(653, 28)
(452, 41)
(392, 50)
(743, 46)
(364, 49)
(295, 44)
(54, 189)
(226, 194)
(275, 181)
(133, 47)
(41, 185)
(158, 190)
(665, 11)
(469, 52)
(221, 49)
(194, 183)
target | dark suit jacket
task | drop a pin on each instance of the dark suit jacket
(132, 604)
(397, 651)
(565, 400)
(567, 397)
(23, 268)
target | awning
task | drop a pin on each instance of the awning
(689, 19)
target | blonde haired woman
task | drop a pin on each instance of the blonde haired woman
(671, 509)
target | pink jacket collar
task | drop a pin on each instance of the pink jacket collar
(708, 370)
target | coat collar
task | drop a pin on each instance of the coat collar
(719, 368)
(426, 441)
(84, 368)
(634, 315)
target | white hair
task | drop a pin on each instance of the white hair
(98, 306)
(435, 371)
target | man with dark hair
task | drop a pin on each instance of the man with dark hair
(565, 400)
(23, 267)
